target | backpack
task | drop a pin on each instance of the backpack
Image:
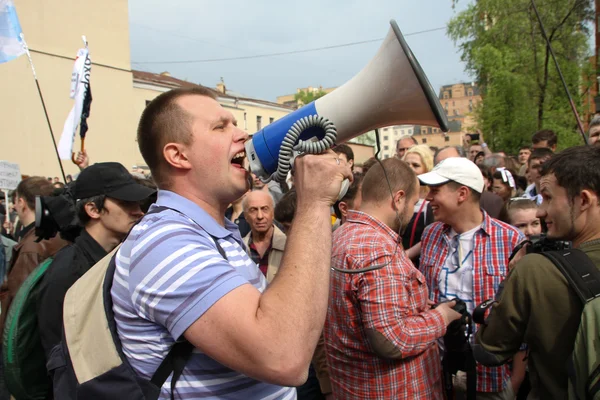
(89, 362)
(584, 365)
(22, 352)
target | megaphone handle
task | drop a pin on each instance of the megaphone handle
(344, 189)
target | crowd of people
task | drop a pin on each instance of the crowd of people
(284, 291)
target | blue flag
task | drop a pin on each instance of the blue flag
(11, 44)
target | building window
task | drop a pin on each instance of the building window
(386, 147)
(385, 129)
(386, 138)
(410, 131)
(446, 138)
(402, 131)
(245, 122)
(258, 122)
(470, 93)
(271, 119)
(445, 95)
(424, 140)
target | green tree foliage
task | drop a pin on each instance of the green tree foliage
(502, 45)
(303, 97)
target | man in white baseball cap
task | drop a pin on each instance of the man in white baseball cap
(464, 254)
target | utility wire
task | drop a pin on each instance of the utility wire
(281, 53)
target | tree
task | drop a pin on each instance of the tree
(303, 97)
(502, 45)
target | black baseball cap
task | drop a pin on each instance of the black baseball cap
(110, 179)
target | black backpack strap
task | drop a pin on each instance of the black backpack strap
(174, 363)
(581, 273)
(584, 278)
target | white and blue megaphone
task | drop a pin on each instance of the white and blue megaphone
(391, 90)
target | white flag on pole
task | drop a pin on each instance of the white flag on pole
(80, 79)
(11, 45)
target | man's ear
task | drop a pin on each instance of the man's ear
(588, 199)
(343, 208)
(399, 197)
(464, 194)
(175, 155)
(92, 211)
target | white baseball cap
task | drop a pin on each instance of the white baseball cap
(457, 169)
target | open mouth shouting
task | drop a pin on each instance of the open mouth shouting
(239, 159)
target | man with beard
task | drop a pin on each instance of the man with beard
(537, 305)
(380, 331)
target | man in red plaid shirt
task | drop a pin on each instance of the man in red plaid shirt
(380, 331)
(464, 254)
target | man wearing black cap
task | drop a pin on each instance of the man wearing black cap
(108, 204)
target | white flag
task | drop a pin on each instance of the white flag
(11, 44)
(80, 79)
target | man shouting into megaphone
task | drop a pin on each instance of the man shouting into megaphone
(257, 340)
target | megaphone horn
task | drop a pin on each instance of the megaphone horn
(391, 90)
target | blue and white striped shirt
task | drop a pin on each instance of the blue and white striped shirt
(169, 273)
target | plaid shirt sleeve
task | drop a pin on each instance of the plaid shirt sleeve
(393, 301)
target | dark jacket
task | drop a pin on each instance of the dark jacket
(69, 264)
(536, 307)
(425, 218)
(27, 254)
(240, 221)
(491, 204)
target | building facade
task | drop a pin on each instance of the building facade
(53, 32)
(459, 101)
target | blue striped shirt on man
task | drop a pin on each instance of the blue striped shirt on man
(169, 273)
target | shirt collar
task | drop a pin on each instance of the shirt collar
(194, 212)
(90, 246)
(486, 225)
(360, 217)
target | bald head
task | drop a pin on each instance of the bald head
(257, 196)
(444, 153)
(259, 211)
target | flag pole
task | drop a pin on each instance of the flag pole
(37, 84)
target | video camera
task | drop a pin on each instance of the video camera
(56, 214)
(541, 243)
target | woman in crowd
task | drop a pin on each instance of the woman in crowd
(420, 159)
(521, 213)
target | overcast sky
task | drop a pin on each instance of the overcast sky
(199, 29)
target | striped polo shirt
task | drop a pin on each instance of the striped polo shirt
(168, 274)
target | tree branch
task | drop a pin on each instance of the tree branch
(562, 22)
